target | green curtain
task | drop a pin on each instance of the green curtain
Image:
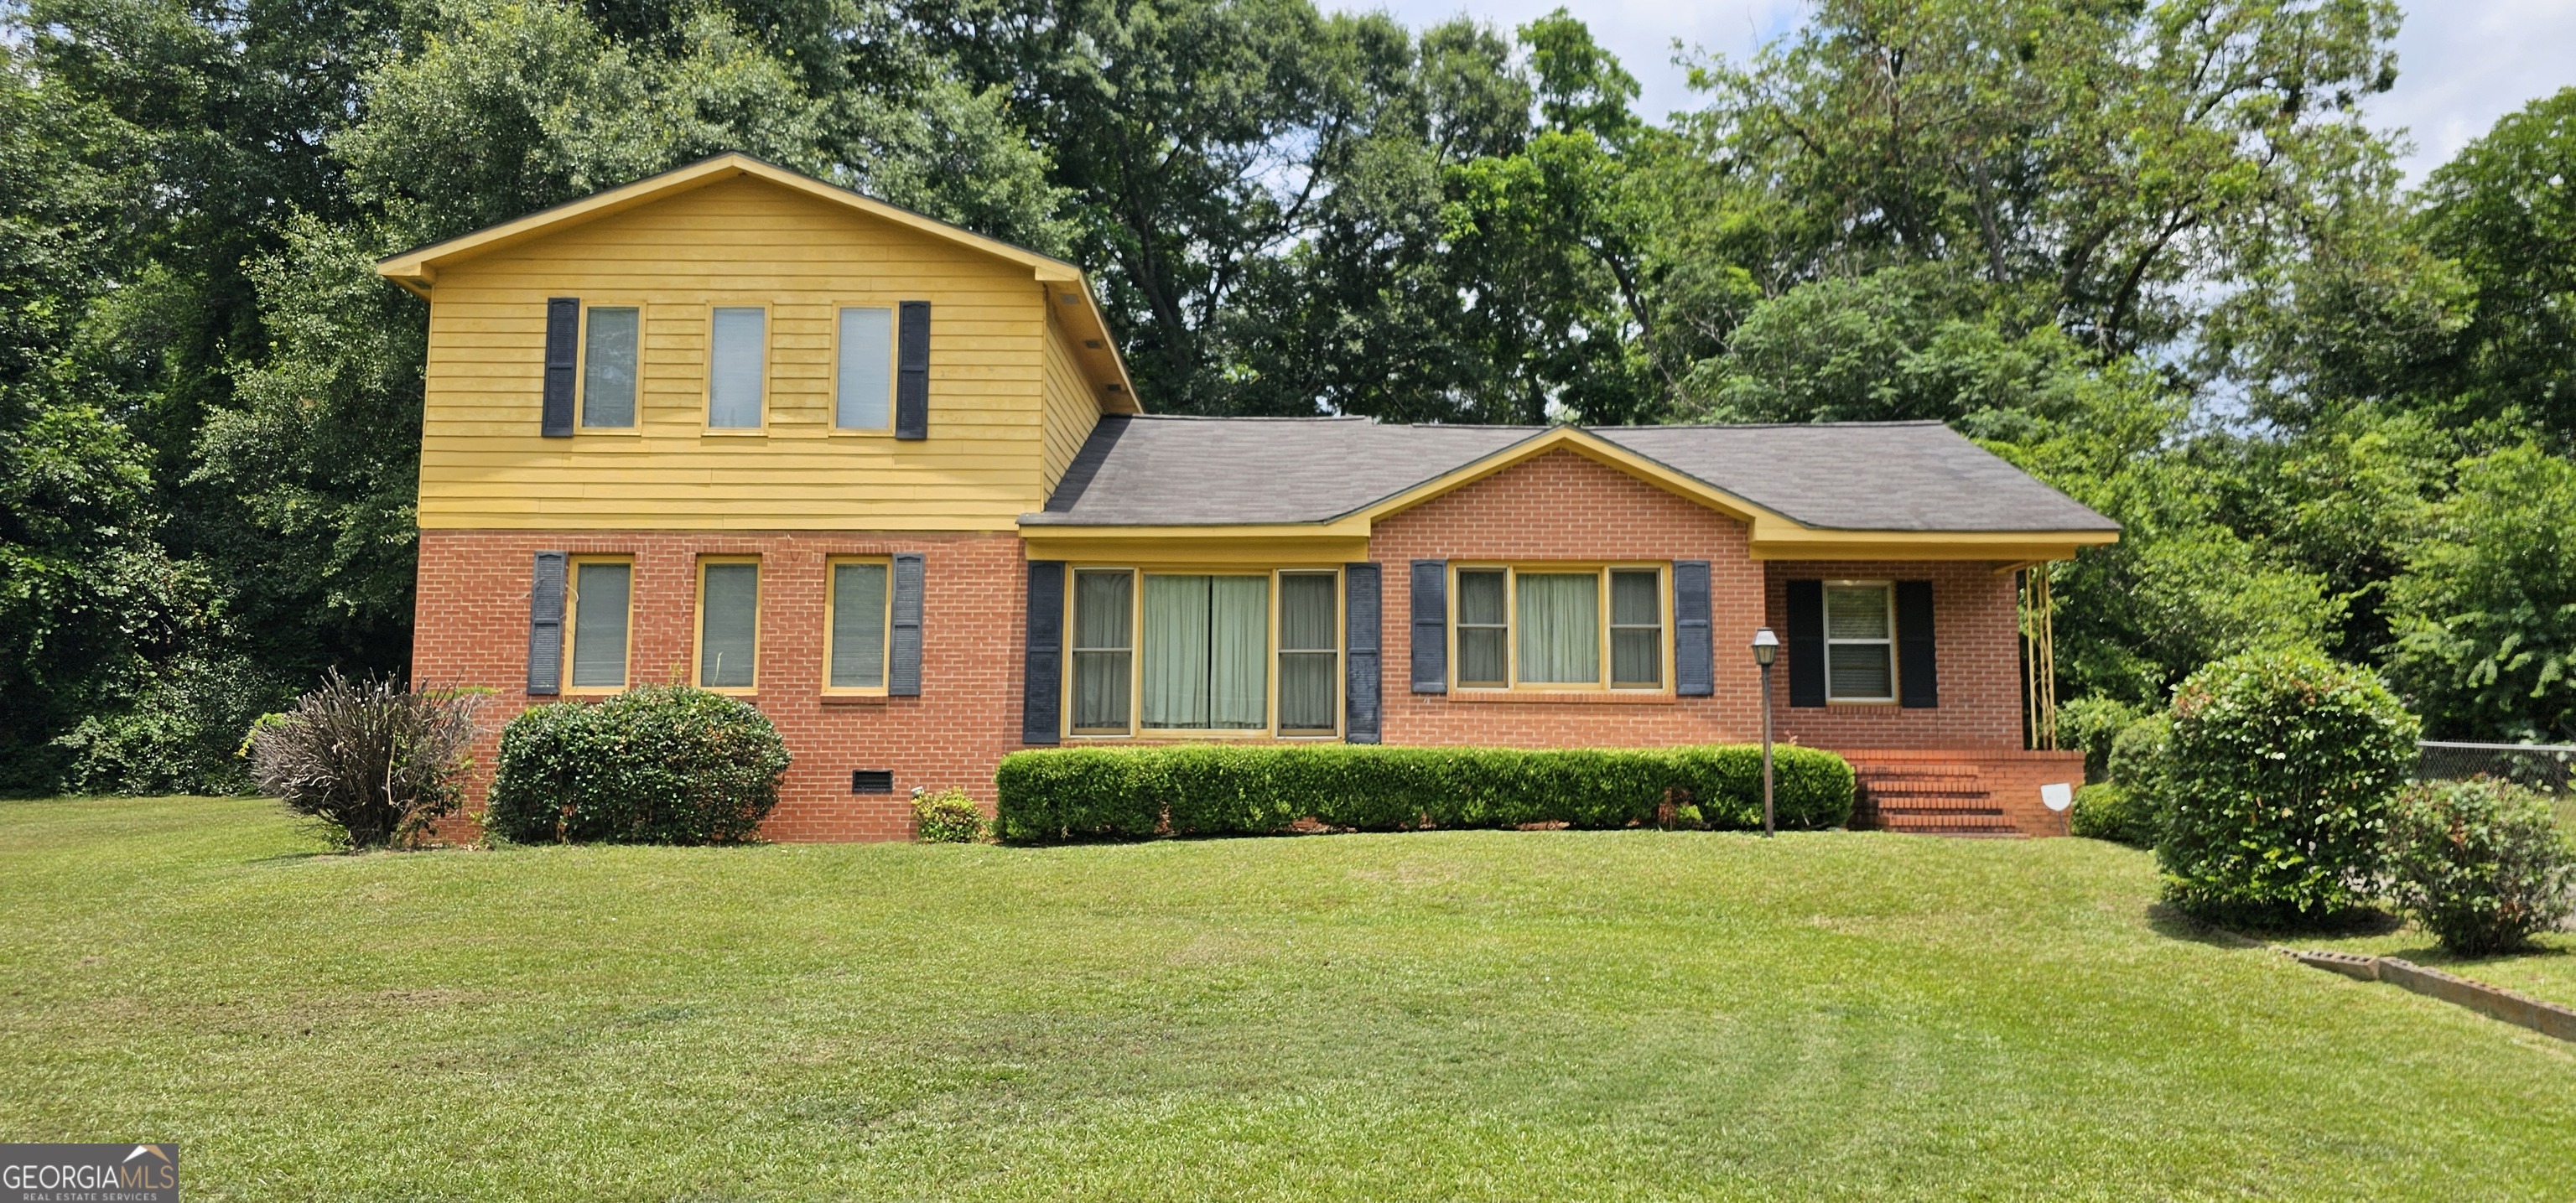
(1560, 628)
(1238, 653)
(1176, 653)
(858, 626)
(1308, 652)
(1100, 650)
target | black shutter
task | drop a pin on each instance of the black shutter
(903, 659)
(1806, 643)
(1918, 682)
(545, 625)
(1694, 661)
(1041, 701)
(1431, 626)
(912, 372)
(1361, 610)
(563, 338)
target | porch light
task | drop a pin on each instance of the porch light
(1766, 648)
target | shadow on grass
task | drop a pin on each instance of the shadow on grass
(2170, 922)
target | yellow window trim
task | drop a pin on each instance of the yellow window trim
(572, 622)
(581, 366)
(1600, 569)
(698, 625)
(768, 368)
(894, 367)
(831, 623)
(1136, 729)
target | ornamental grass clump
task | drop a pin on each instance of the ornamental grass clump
(2481, 863)
(659, 764)
(372, 763)
(2277, 783)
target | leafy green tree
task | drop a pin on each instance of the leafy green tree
(2485, 614)
(2504, 210)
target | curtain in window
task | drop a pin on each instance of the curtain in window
(1238, 652)
(729, 629)
(1481, 629)
(1100, 650)
(734, 367)
(858, 626)
(1858, 670)
(1176, 652)
(866, 370)
(599, 625)
(608, 369)
(1560, 621)
(1307, 652)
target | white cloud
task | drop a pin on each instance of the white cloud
(2461, 64)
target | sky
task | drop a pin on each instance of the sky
(2461, 63)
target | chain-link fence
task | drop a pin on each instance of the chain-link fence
(2544, 767)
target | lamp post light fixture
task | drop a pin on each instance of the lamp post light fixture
(1766, 648)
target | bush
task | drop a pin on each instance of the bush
(2480, 863)
(2090, 724)
(2138, 752)
(1220, 789)
(659, 764)
(180, 734)
(946, 816)
(2109, 811)
(374, 764)
(2277, 785)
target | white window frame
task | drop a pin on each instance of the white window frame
(1826, 616)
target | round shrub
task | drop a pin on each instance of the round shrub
(2108, 811)
(659, 764)
(2137, 758)
(946, 816)
(2481, 864)
(2277, 786)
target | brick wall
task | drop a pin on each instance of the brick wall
(1976, 652)
(472, 629)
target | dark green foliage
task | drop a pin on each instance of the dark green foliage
(946, 816)
(658, 764)
(2089, 725)
(2481, 864)
(2278, 783)
(2105, 811)
(2138, 753)
(373, 763)
(1218, 789)
(2486, 613)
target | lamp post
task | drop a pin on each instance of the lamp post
(1766, 648)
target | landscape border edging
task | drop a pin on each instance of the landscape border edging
(2546, 1018)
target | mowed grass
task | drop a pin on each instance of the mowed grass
(1465, 1015)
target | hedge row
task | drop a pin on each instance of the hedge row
(1215, 789)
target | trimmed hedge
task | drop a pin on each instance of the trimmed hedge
(1217, 789)
(658, 764)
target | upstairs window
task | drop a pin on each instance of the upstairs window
(1555, 627)
(608, 357)
(737, 354)
(864, 388)
(1860, 642)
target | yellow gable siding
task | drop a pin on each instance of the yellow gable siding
(1070, 410)
(745, 242)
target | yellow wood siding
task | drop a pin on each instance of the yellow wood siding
(992, 450)
(1071, 411)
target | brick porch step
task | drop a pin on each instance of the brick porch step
(1932, 799)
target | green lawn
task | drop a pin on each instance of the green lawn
(1473, 1015)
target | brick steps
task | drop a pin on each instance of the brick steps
(1932, 799)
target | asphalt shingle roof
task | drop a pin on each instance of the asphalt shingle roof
(1894, 476)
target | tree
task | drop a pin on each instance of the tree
(2504, 211)
(2485, 614)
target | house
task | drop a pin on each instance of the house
(889, 481)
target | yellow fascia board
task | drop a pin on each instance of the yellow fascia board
(417, 269)
(1808, 543)
(1590, 446)
(1337, 542)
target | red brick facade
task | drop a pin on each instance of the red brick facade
(473, 630)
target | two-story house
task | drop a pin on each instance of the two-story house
(888, 481)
